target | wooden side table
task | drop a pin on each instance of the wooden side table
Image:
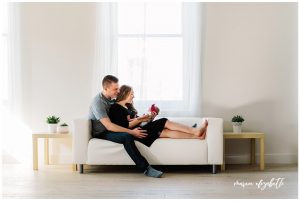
(46, 136)
(252, 136)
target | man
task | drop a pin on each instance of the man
(103, 128)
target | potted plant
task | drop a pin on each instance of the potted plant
(237, 123)
(52, 123)
(63, 128)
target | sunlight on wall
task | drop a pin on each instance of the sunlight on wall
(16, 139)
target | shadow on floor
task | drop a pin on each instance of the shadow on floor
(165, 168)
(199, 169)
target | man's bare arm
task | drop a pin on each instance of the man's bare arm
(137, 132)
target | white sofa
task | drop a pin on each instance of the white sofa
(164, 151)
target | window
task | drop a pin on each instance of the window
(155, 48)
(150, 50)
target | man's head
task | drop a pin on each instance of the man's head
(110, 86)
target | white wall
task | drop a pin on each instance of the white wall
(57, 60)
(249, 67)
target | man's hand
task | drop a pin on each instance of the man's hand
(139, 133)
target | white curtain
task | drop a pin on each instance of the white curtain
(192, 24)
(106, 62)
(15, 134)
(105, 53)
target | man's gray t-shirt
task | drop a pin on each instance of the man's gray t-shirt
(99, 109)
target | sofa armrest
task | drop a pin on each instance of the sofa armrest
(80, 140)
(214, 138)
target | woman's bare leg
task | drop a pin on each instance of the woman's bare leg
(171, 125)
(166, 133)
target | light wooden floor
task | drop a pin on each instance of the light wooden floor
(58, 181)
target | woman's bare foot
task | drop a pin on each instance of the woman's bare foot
(201, 131)
(202, 137)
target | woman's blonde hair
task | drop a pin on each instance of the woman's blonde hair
(124, 93)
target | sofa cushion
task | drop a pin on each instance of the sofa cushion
(164, 151)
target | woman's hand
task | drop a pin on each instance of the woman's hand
(144, 118)
(152, 116)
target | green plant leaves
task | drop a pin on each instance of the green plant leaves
(237, 118)
(53, 119)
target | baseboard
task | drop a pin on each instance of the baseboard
(229, 159)
(269, 158)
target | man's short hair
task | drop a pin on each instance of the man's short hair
(108, 79)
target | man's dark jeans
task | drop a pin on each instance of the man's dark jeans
(128, 141)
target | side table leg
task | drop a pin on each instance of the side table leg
(262, 153)
(74, 167)
(35, 153)
(253, 151)
(223, 165)
(46, 151)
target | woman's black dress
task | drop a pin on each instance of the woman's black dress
(118, 115)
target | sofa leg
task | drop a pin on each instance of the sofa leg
(81, 168)
(214, 169)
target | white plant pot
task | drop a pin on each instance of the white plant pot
(63, 129)
(237, 127)
(52, 128)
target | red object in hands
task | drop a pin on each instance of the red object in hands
(153, 108)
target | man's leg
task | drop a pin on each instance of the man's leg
(128, 141)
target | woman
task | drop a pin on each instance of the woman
(120, 115)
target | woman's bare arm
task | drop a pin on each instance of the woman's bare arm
(136, 121)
